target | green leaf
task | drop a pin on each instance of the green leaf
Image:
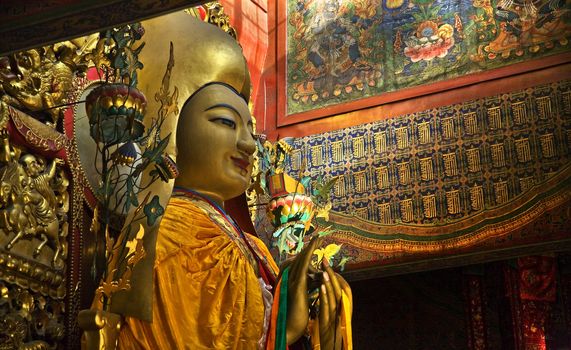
(153, 154)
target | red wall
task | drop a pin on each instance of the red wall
(250, 19)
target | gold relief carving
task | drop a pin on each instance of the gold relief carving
(34, 202)
(339, 187)
(29, 320)
(450, 164)
(526, 183)
(453, 201)
(385, 214)
(498, 156)
(448, 129)
(495, 118)
(359, 147)
(215, 14)
(519, 112)
(402, 137)
(471, 123)
(404, 173)
(31, 274)
(406, 210)
(477, 197)
(381, 142)
(317, 155)
(429, 206)
(566, 97)
(523, 150)
(547, 142)
(473, 158)
(360, 181)
(501, 192)
(337, 151)
(45, 75)
(543, 107)
(426, 169)
(383, 177)
(424, 135)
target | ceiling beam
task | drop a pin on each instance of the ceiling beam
(33, 23)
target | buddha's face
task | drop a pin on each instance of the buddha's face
(215, 143)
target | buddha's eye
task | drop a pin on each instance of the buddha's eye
(225, 121)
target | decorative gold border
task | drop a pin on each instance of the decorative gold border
(496, 230)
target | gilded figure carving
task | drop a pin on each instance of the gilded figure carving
(39, 79)
(33, 201)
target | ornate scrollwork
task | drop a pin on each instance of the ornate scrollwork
(37, 86)
(213, 12)
(27, 315)
(216, 15)
(39, 79)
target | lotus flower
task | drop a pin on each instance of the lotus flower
(293, 207)
(115, 113)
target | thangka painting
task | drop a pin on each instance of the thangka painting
(343, 50)
(473, 177)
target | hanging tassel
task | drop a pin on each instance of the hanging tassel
(277, 339)
(281, 325)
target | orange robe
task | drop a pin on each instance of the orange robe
(207, 294)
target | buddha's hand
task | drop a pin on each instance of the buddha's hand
(330, 293)
(297, 299)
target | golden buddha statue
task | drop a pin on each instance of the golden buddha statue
(211, 285)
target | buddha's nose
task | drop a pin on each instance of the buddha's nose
(247, 145)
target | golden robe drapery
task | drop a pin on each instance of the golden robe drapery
(207, 293)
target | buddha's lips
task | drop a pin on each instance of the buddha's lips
(241, 163)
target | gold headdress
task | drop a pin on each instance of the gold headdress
(202, 54)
